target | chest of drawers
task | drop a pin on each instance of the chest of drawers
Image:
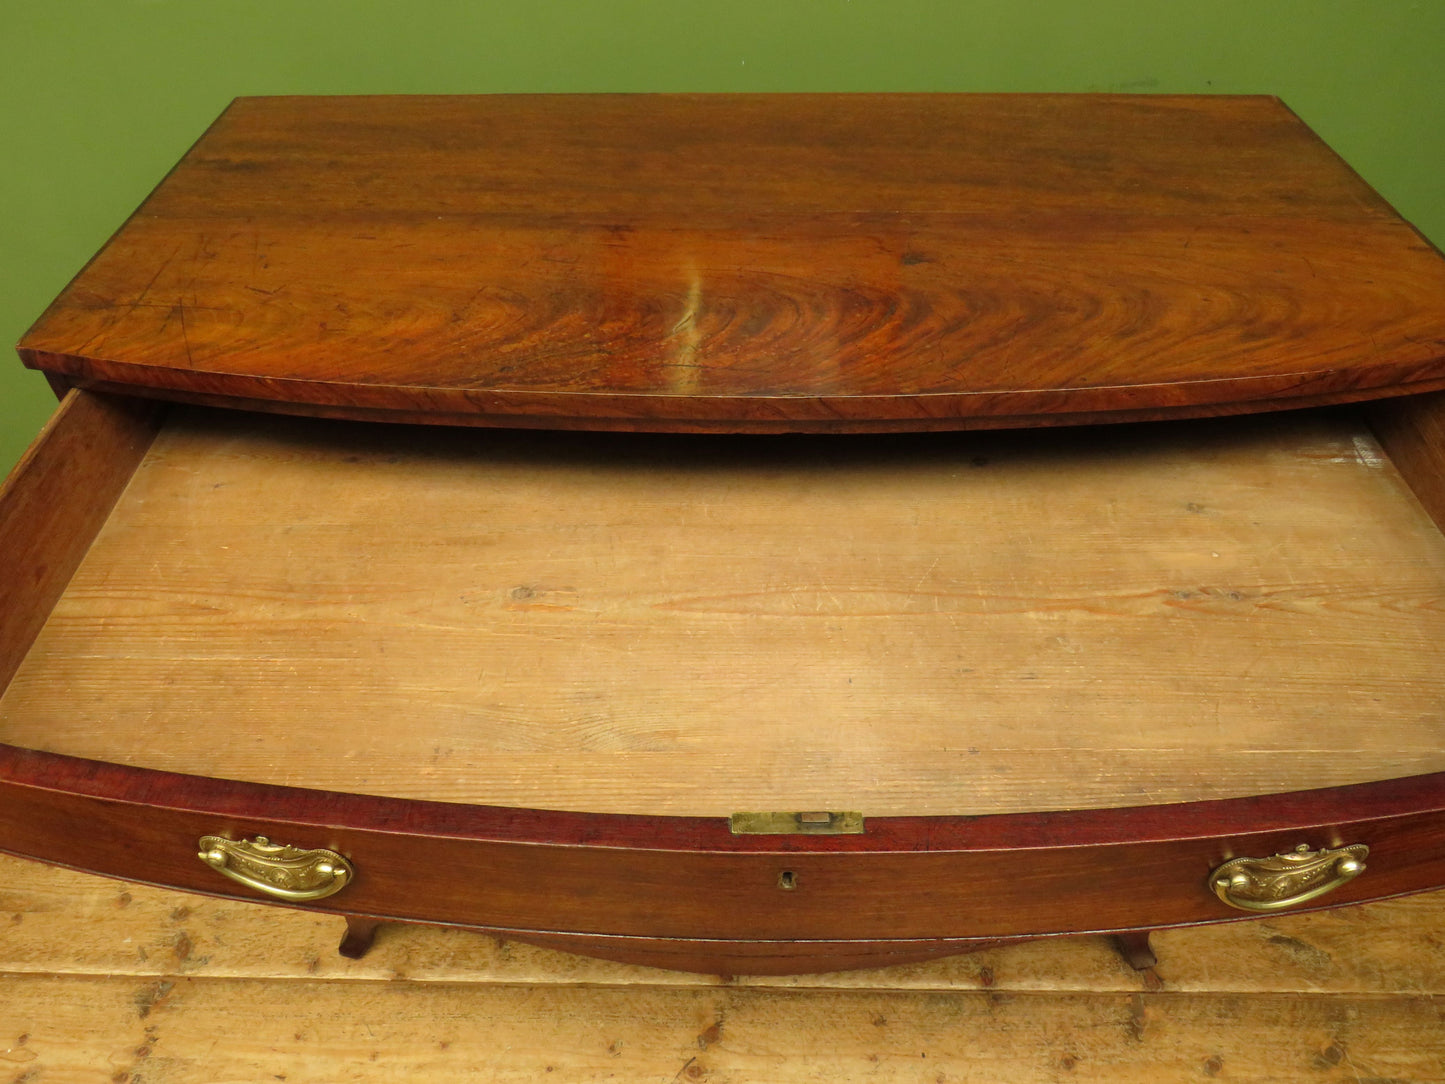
(740, 533)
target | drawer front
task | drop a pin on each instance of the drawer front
(675, 878)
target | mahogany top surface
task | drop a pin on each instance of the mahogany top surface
(758, 262)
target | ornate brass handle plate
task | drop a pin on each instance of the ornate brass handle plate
(1287, 880)
(277, 869)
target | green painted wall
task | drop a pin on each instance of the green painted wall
(99, 97)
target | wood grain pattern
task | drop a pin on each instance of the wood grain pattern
(108, 982)
(55, 501)
(656, 626)
(282, 1030)
(761, 262)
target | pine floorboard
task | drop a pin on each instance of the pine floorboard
(125, 984)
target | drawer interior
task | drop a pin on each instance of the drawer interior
(931, 624)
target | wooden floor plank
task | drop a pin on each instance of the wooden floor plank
(126, 1030)
(127, 984)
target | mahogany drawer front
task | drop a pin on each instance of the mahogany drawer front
(688, 878)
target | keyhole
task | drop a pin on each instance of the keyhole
(787, 880)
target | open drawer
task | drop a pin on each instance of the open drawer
(988, 685)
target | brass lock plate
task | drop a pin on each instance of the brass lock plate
(815, 823)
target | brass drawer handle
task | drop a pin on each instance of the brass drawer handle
(1287, 880)
(277, 869)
